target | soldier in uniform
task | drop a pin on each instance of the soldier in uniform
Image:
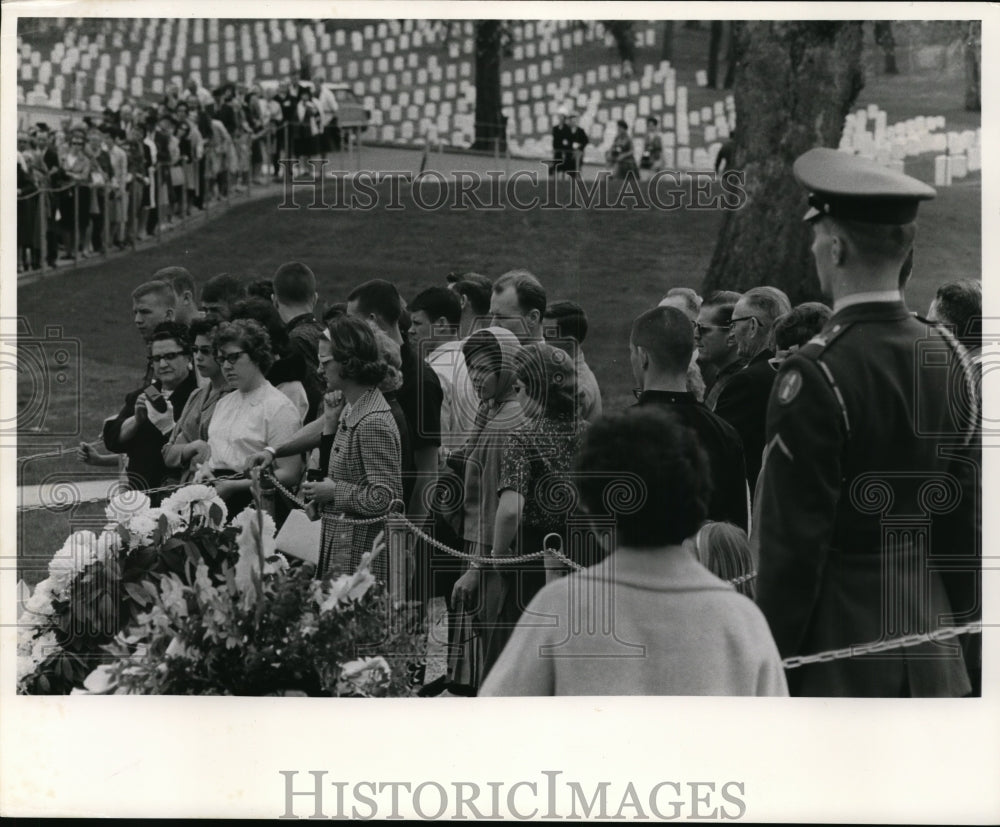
(866, 526)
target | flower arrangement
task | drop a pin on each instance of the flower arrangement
(173, 600)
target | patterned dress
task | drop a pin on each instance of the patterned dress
(365, 465)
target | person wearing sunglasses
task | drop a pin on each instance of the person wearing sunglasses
(254, 416)
(188, 443)
(718, 357)
(146, 421)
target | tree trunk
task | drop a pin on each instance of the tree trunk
(730, 57)
(490, 124)
(667, 49)
(795, 83)
(973, 56)
(714, 42)
(884, 38)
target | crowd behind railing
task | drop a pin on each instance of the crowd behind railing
(87, 187)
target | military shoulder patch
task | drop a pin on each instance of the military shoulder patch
(789, 386)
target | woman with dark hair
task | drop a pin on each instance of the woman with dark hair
(675, 628)
(254, 416)
(364, 478)
(146, 421)
(289, 373)
(797, 327)
(534, 479)
(188, 442)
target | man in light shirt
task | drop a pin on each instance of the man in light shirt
(435, 314)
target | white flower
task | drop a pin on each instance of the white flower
(124, 505)
(40, 602)
(172, 596)
(43, 646)
(98, 682)
(363, 676)
(191, 502)
(141, 527)
(107, 544)
(79, 550)
(346, 588)
(247, 567)
(177, 649)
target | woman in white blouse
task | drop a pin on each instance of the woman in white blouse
(254, 416)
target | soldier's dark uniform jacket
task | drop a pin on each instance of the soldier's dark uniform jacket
(867, 513)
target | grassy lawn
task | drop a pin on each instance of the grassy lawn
(614, 263)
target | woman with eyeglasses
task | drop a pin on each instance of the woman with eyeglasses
(364, 477)
(146, 421)
(254, 416)
(188, 443)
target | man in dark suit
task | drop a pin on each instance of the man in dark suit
(743, 401)
(660, 349)
(867, 521)
(562, 142)
(578, 141)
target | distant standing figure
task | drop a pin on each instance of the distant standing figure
(621, 155)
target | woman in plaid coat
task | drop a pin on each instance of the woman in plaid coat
(364, 477)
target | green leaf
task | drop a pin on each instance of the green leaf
(151, 589)
(215, 513)
(138, 594)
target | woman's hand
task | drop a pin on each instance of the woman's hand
(197, 452)
(466, 590)
(319, 492)
(140, 409)
(333, 407)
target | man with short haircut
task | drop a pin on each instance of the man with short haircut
(295, 298)
(660, 348)
(378, 302)
(153, 302)
(718, 357)
(867, 517)
(518, 305)
(220, 293)
(959, 304)
(474, 292)
(435, 315)
(684, 299)
(186, 306)
(569, 322)
(743, 401)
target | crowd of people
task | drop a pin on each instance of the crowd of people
(97, 183)
(716, 520)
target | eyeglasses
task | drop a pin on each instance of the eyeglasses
(229, 358)
(168, 357)
(741, 319)
(205, 350)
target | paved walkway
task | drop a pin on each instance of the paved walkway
(62, 494)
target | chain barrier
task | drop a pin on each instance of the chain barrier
(60, 452)
(788, 663)
(881, 646)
